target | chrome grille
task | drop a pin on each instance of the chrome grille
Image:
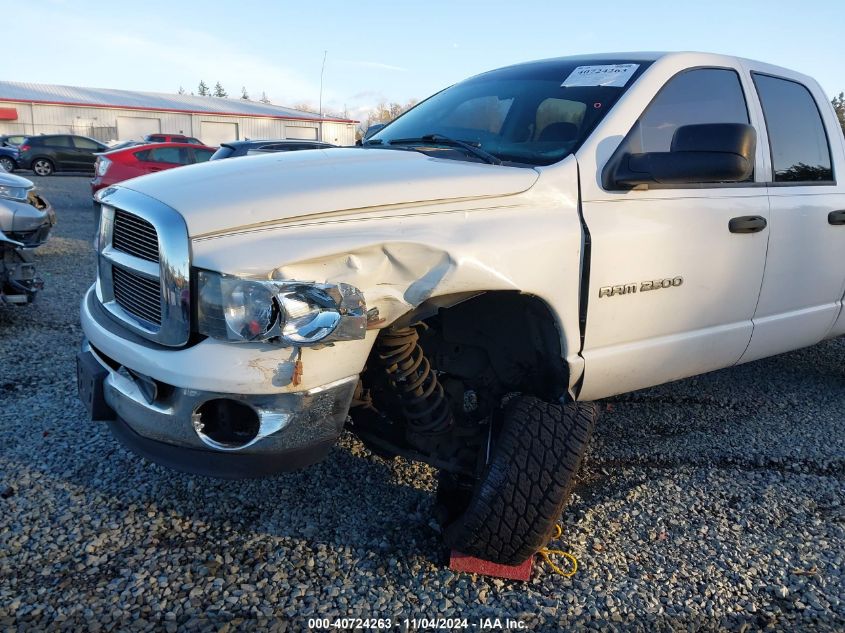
(137, 295)
(135, 236)
(144, 264)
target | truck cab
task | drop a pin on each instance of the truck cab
(464, 285)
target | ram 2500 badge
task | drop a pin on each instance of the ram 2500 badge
(458, 289)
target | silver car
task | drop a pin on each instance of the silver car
(25, 223)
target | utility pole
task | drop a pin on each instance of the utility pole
(322, 70)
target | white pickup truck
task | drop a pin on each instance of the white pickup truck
(458, 289)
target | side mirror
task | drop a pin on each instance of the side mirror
(704, 153)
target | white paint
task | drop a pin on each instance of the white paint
(786, 331)
(215, 132)
(804, 281)
(275, 188)
(307, 133)
(662, 235)
(135, 128)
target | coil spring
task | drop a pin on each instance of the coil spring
(410, 375)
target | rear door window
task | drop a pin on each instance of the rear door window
(85, 143)
(202, 155)
(170, 155)
(797, 137)
(59, 141)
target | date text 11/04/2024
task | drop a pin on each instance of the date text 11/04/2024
(416, 624)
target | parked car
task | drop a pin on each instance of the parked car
(124, 144)
(25, 223)
(59, 152)
(172, 138)
(233, 149)
(372, 130)
(9, 157)
(465, 283)
(12, 140)
(121, 164)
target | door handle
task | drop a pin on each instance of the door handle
(747, 224)
(836, 217)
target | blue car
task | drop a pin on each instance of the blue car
(9, 158)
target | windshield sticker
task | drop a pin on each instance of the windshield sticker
(611, 75)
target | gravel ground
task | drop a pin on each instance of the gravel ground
(712, 503)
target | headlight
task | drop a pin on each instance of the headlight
(14, 193)
(289, 312)
(102, 165)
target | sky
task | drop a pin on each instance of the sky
(388, 51)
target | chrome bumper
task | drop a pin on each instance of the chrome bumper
(289, 423)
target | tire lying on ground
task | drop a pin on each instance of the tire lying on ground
(511, 511)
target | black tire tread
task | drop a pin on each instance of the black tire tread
(521, 494)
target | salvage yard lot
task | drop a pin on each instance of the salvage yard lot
(706, 503)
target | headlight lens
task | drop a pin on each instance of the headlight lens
(249, 309)
(310, 314)
(14, 193)
(103, 165)
(288, 312)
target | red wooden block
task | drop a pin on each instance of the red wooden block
(472, 565)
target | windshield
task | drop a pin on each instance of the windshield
(533, 114)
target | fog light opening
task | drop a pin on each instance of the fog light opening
(226, 424)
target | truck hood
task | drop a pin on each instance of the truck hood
(225, 195)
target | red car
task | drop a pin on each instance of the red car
(122, 164)
(172, 138)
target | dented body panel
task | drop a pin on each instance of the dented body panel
(402, 258)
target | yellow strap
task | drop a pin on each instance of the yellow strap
(547, 553)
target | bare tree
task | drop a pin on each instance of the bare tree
(385, 112)
(181, 90)
(264, 98)
(244, 94)
(304, 106)
(839, 105)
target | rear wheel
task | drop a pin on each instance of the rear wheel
(511, 510)
(7, 164)
(42, 167)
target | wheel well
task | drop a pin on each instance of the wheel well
(438, 377)
(508, 340)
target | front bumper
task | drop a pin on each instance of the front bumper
(296, 429)
(27, 222)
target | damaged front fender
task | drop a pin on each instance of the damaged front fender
(529, 242)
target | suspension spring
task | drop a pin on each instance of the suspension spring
(411, 377)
